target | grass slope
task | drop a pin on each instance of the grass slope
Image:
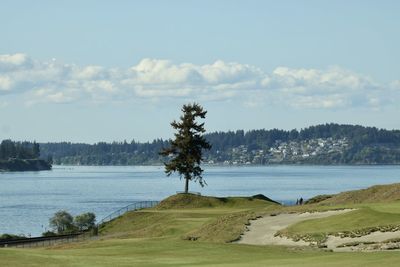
(362, 221)
(190, 201)
(160, 237)
(191, 217)
(374, 194)
(165, 252)
(377, 207)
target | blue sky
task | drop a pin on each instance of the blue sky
(87, 71)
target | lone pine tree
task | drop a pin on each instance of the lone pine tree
(187, 147)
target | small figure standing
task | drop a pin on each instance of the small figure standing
(301, 201)
(297, 202)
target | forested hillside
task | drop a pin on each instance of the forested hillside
(21, 156)
(321, 144)
(19, 150)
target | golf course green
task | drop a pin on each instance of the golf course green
(191, 230)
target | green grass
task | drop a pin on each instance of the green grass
(393, 207)
(166, 252)
(358, 222)
(378, 208)
(373, 194)
(160, 237)
(202, 218)
(190, 201)
(353, 220)
(157, 223)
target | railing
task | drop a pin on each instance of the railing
(131, 207)
(52, 240)
(42, 241)
(190, 192)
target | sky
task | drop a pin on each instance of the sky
(90, 71)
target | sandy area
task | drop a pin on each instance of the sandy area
(262, 231)
(334, 241)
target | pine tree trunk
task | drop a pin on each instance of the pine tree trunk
(186, 185)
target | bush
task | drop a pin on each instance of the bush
(6, 237)
(48, 234)
(85, 221)
(62, 222)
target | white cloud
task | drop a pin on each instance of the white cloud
(90, 73)
(332, 88)
(59, 97)
(49, 95)
(330, 101)
(53, 81)
(152, 71)
(229, 73)
(5, 83)
(12, 62)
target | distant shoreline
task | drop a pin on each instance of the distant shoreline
(232, 165)
(21, 165)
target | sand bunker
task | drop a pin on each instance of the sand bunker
(371, 242)
(262, 232)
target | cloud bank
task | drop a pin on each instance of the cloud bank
(55, 82)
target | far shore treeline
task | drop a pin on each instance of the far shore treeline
(22, 156)
(19, 150)
(321, 144)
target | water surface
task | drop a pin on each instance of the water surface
(29, 199)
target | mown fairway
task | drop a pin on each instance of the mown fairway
(171, 252)
(159, 237)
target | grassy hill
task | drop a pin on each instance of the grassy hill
(192, 217)
(374, 194)
(362, 221)
(376, 208)
(190, 230)
(190, 201)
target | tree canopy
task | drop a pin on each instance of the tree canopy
(62, 222)
(19, 150)
(187, 147)
(85, 221)
(366, 145)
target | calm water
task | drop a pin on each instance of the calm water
(29, 199)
